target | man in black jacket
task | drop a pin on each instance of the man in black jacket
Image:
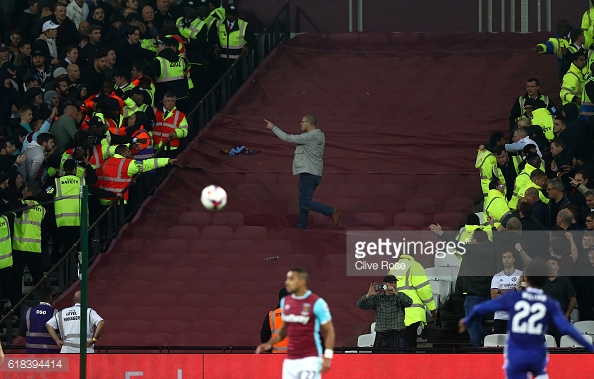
(474, 279)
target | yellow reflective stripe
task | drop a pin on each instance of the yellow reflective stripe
(21, 239)
(5, 256)
(5, 238)
(425, 283)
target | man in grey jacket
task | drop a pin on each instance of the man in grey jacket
(33, 171)
(308, 163)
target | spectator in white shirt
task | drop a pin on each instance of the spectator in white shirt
(501, 283)
(521, 139)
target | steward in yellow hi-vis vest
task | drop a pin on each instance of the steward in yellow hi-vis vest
(169, 70)
(573, 80)
(26, 240)
(495, 204)
(412, 281)
(485, 161)
(232, 36)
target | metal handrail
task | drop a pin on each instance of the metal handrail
(202, 107)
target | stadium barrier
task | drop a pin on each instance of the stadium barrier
(247, 366)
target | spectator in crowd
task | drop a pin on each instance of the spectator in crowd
(272, 324)
(590, 221)
(389, 312)
(34, 98)
(93, 76)
(540, 210)
(77, 11)
(589, 195)
(33, 171)
(572, 136)
(37, 338)
(64, 129)
(9, 98)
(70, 328)
(565, 250)
(526, 217)
(520, 139)
(70, 58)
(46, 43)
(38, 127)
(73, 76)
(40, 70)
(29, 17)
(88, 53)
(538, 180)
(562, 159)
(501, 283)
(560, 289)
(584, 287)
(532, 92)
(67, 31)
(474, 279)
(506, 170)
(566, 220)
(573, 80)
(98, 18)
(148, 16)
(162, 14)
(412, 281)
(556, 193)
(129, 50)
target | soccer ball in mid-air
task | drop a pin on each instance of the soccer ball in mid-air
(214, 198)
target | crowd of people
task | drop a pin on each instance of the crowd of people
(537, 184)
(94, 93)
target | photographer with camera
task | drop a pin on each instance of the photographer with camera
(389, 312)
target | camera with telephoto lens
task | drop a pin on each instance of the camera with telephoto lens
(381, 287)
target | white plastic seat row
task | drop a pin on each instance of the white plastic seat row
(499, 340)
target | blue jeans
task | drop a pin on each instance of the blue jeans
(476, 330)
(307, 185)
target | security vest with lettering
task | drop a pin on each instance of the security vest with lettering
(68, 200)
(587, 107)
(38, 340)
(171, 71)
(233, 42)
(516, 159)
(115, 175)
(276, 321)
(165, 126)
(543, 118)
(5, 244)
(412, 281)
(145, 150)
(485, 161)
(496, 205)
(27, 228)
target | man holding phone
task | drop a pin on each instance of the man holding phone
(389, 312)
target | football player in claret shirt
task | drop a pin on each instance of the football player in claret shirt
(530, 314)
(303, 313)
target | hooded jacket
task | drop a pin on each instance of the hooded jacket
(32, 170)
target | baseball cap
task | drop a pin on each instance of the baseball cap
(37, 53)
(3, 46)
(390, 279)
(231, 9)
(49, 25)
(8, 66)
(137, 91)
(190, 4)
(165, 41)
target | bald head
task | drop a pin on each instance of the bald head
(76, 298)
(70, 111)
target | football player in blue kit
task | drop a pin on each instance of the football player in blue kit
(530, 314)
